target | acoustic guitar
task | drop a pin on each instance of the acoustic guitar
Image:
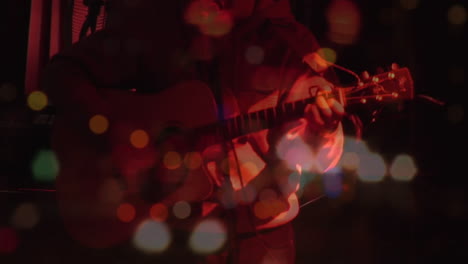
(158, 152)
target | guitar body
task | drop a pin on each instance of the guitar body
(98, 170)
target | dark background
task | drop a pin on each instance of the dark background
(422, 221)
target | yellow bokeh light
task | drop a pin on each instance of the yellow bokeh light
(139, 138)
(37, 100)
(409, 4)
(457, 14)
(26, 216)
(98, 124)
(328, 54)
(172, 160)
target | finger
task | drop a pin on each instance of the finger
(323, 106)
(313, 111)
(326, 87)
(335, 106)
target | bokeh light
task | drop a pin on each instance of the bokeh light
(139, 138)
(193, 160)
(126, 212)
(333, 183)
(403, 168)
(37, 100)
(45, 166)
(350, 161)
(246, 194)
(7, 92)
(457, 14)
(111, 191)
(328, 54)
(409, 4)
(208, 237)
(344, 20)
(372, 168)
(201, 12)
(98, 124)
(262, 209)
(352, 151)
(209, 18)
(25, 216)
(181, 209)
(455, 113)
(254, 55)
(152, 237)
(159, 212)
(221, 25)
(172, 160)
(294, 151)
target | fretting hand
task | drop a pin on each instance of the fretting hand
(326, 113)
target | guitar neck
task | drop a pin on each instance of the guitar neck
(246, 123)
(387, 87)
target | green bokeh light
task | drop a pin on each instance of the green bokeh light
(45, 166)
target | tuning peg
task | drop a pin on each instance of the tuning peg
(394, 66)
(365, 75)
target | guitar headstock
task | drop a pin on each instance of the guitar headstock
(395, 85)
